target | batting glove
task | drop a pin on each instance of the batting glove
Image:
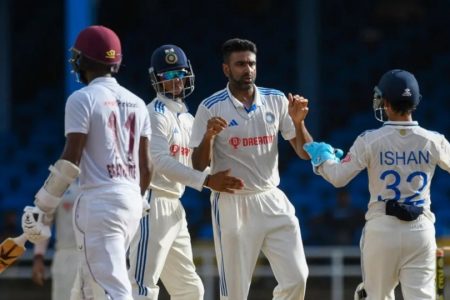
(33, 224)
(321, 152)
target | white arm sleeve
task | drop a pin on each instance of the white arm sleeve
(166, 164)
(199, 127)
(287, 127)
(77, 113)
(444, 155)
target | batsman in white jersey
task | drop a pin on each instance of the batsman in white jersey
(162, 246)
(107, 144)
(65, 261)
(398, 242)
(238, 128)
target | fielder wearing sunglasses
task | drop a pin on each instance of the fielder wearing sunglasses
(170, 75)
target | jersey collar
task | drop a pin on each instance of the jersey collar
(177, 106)
(103, 79)
(238, 104)
(401, 123)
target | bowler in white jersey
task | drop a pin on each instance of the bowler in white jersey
(238, 128)
(107, 132)
(162, 246)
(398, 242)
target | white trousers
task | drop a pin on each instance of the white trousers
(64, 270)
(84, 287)
(396, 251)
(105, 221)
(162, 249)
(243, 226)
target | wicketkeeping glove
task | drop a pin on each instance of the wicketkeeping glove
(321, 152)
(34, 224)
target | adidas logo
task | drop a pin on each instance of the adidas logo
(233, 123)
(175, 130)
(407, 93)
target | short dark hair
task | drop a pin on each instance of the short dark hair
(402, 107)
(237, 45)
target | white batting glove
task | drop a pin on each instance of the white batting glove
(33, 224)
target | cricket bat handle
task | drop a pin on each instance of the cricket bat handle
(20, 240)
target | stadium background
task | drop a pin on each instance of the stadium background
(330, 51)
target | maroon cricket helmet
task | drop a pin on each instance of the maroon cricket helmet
(100, 44)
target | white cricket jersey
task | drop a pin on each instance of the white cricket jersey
(249, 145)
(400, 158)
(113, 119)
(171, 155)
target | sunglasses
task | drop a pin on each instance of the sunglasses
(169, 75)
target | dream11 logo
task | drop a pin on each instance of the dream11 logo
(235, 142)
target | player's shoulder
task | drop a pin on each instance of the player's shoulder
(369, 133)
(264, 91)
(271, 97)
(430, 134)
(370, 136)
(186, 118)
(81, 95)
(157, 107)
(130, 96)
(215, 99)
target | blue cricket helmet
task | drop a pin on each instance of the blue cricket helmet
(396, 86)
(166, 59)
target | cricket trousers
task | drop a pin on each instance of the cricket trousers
(161, 249)
(394, 251)
(105, 221)
(245, 225)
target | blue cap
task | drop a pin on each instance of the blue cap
(167, 58)
(399, 86)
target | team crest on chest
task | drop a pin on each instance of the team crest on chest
(270, 117)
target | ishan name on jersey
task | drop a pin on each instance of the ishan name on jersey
(404, 158)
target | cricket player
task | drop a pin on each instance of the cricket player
(162, 246)
(398, 242)
(65, 262)
(107, 132)
(238, 128)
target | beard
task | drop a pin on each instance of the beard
(244, 82)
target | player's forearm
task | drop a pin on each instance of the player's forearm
(337, 174)
(201, 156)
(145, 165)
(40, 247)
(302, 136)
(174, 170)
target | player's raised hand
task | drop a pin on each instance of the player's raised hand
(215, 126)
(298, 108)
(223, 182)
